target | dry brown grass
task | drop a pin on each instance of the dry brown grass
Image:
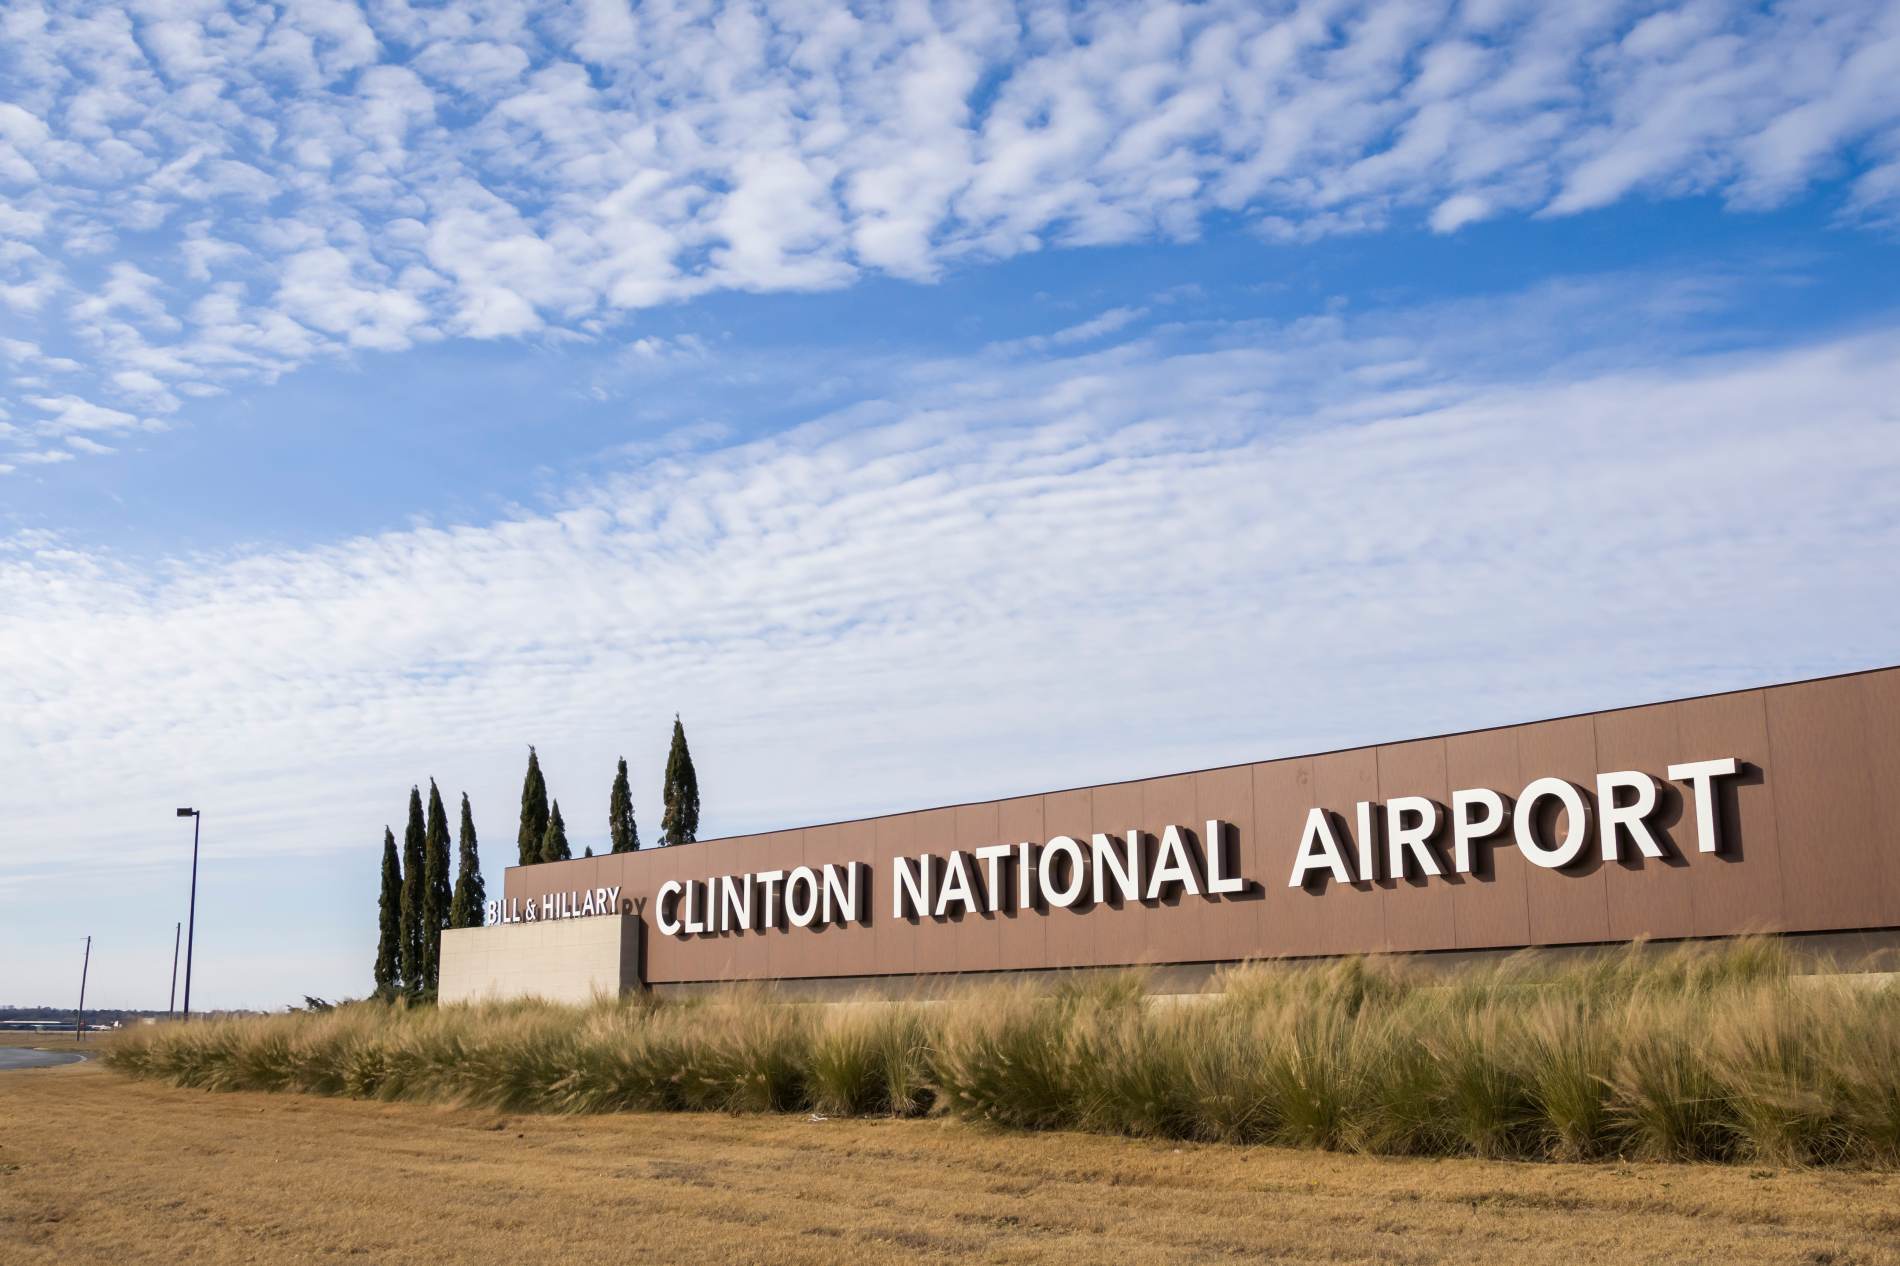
(1700, 1053)
(96, 1167)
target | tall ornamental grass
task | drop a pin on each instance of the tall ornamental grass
(1709, 1054)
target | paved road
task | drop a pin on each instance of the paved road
(20, 1057)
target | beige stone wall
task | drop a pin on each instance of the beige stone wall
(561, 960)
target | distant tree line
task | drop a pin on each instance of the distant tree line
(96, 1017)
(417, 902)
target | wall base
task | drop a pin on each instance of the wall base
(560, 960)
(1873, 953)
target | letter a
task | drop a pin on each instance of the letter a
(1319, 851)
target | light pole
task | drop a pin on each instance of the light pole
(191, 917)
(171, 1001)
(79, 1020)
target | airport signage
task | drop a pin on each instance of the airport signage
(1554, 823)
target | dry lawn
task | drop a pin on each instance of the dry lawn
(96, 1167)
(50, 1041)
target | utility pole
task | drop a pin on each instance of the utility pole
(171, 1003)
(79, 1023)
(191, 915)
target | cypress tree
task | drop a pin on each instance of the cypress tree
(389, 922)
(554, 843)
(435, 887)
(534, 812)
(621, 828)
(412, 938)
(679, 823)
(465, 910)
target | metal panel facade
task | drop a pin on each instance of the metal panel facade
(1807, 825)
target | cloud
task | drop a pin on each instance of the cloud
(41, 457)
(1096, 327)
(320, 289)
(1457, 211)
(71, 413)
(1255, 540)
(327, 178)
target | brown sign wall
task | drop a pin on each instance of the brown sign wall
(1808, 827)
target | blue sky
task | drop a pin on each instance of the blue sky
(927, 403)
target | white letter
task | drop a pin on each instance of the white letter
(768, 894)
(1066, 847)
(1103, 854)
(735, 902)
(990, 855)
(1025, 875)
(1218, 881)
(1702, 774)
(956, 886)
(613, 898)
(587, 906)
(689, 918)
(1611, 815)
(1172, 867)
(1574, 837)
(668, 890)
(911, 886)
(1465, 827)
(1399, 838)
(841, 892)
(1319, 849)
(796, 917)
(547, 905)
(1368, 861)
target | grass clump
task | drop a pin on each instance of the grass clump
(1691, 1054)
(1002, 1057)
(871, 1059)
(1565, 1052)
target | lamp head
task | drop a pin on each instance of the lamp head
(185, 813)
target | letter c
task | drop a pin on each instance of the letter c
(669, 890)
